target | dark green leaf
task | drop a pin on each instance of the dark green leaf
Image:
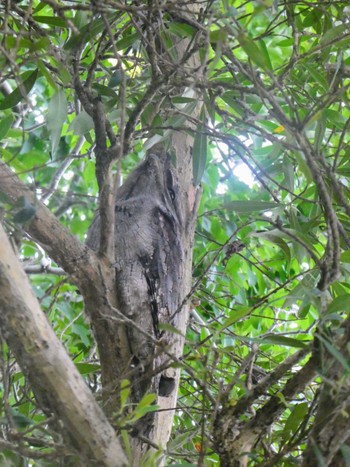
(199, 153)
(87, 368)
(51, 21)
(294, 420)
(283, 340)
(341, 303)
(253, 51)
(5, 125)
(28, 80)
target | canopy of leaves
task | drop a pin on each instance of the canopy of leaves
(271, 151)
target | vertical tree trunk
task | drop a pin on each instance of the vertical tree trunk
(154, 228)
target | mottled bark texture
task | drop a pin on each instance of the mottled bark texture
(148, 266)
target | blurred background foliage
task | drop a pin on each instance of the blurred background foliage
(273, 84)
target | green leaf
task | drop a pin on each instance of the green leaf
(294, 420)
(81, 124)
(87, 368)
(345, 450)
(341, 303)
(56, 116)
(104, 90)
(333, 33)
(146, 405)
(265, 52)
(182, 29)
(5, 125)
(345, 257)
(47, 74)
(125, 389)
(89, 31)
(254, 52)
(127, 41)
(199, 155)
(283, 340)
(51, 21)
(238, 313)
(247, 206)
(28, 80)
(276, 239)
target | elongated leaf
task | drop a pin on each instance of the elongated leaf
(283, 340)
(341, 303)
(334, 33)
(335, 352)
(5, 125)
(81, 124)
(56, 116)
(239, 312)
(87, 368)
(51, 21)
(345, 257)
(294, 420)
(28, 80)
(246, 206)
(200, 145)
(125, 389)
(47, 74)
(276, 239)
(254, 52)
(89, 31)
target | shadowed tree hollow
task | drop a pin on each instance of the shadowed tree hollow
(174, 241)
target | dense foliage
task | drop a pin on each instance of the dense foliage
(272, 252)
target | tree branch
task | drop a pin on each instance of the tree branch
(45, 228)
(55, 379)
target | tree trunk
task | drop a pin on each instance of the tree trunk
(155, 215)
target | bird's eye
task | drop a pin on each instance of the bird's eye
(171, 194)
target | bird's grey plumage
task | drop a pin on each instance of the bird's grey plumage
(148, 253)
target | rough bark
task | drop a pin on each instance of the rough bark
(153, 257)
(234, 438)
(54, 378)
(148, 265)
(150, 233)
(331, 428)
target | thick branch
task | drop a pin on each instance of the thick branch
(45, 228)
(234, 439)
(331, 428)
(54, 378)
